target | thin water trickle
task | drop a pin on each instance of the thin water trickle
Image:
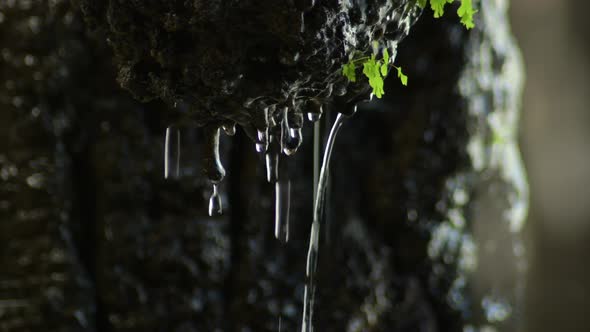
(172, 153)
(211, 161)
(316, 156)
(215, 206)
(282, 209)
(312, 254)
(272, 166)
(302, 29)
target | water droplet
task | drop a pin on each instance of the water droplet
(282, 209)
(215, 206)
(294, 141)
(172, 153)
(314, 117)
(262, 143)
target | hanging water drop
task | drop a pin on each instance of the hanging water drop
(290, 137)
(285, 133)
(212, 166)
(314, 117)
(314, 110)
(229, 129)
(215, 206)
(172, 153)
(262, 142)
(282, 209)
(296, 137)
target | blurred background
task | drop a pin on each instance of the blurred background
(555, 132)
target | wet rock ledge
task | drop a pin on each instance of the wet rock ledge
(428, 195)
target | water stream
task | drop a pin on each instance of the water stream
(313, 251)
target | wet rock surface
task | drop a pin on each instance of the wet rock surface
(423, 220)
(226, 61)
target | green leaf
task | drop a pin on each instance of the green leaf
(466, 12)
(349, 71)
(402, 77)
(386, 56)
(385, 65)
(384, 69)
(371, 69)
(422, 3)
(375, 45)
(438, 6)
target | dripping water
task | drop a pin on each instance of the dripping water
(314, 117)
(229, 129)
(285, 137)
(282, 209)
(262, 142)
(272, 166)
(172, 153)
(215, 206)
(212, 166)
(291, 138)
(316, 156)
(312, 254)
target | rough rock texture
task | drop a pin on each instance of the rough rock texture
(427, 199)
(227, 60)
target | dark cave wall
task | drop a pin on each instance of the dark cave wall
(423, 229)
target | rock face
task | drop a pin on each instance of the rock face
(227, 60)
(427, 201)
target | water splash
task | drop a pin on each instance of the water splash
(312, 254)
(172, 153)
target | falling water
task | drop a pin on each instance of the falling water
(312, 254)
(172, 153)
(282, 209)
(272, 166)
(262, 143)
(213, 168)
(215, 207)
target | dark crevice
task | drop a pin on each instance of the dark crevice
(236, 224)
(84, 188)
